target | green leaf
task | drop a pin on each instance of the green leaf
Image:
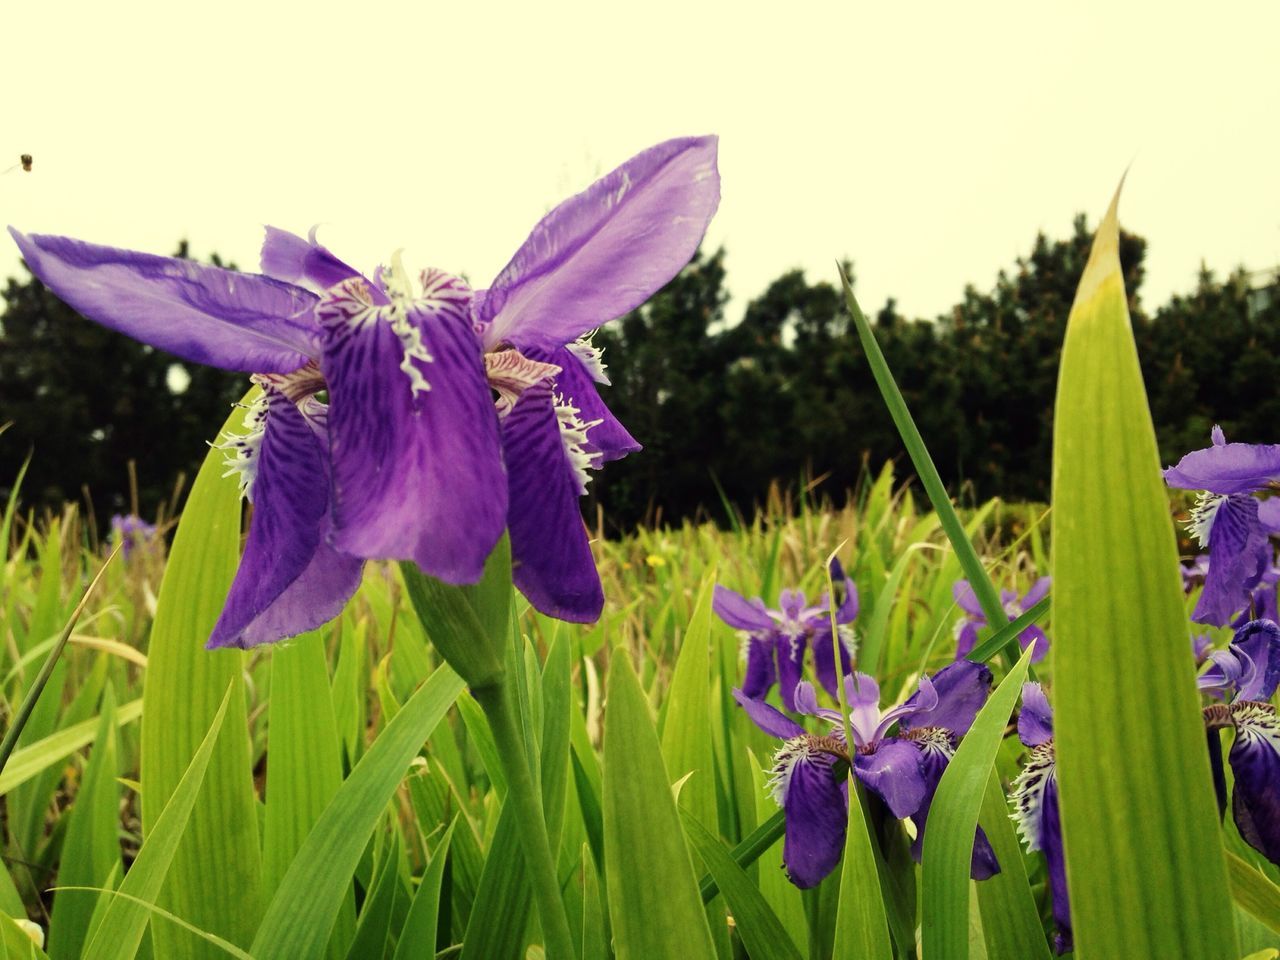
(686, 731)
(301, 914)
(375, 918)
(120, 932)
(26, 762)
(650, 875)
(1010, 920)
(762, 932)
(594, 942)
(862, 929)
(16, 944)
(184, 685)
(1257, 895)
(419, 930)
(1146, 873)
(953, 819)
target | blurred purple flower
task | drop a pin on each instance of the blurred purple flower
(1229, 521)
(974, 618)
(809, 771)
(775, 640)
(131, 531)
(410, 458)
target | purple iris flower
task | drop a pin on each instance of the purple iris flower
(1229, 521)
(775, 640)
(974, 618)
(1035, 803)
(409, 456)
(809, 771)
(1193, 573)
(1248, 672)
(131, 531)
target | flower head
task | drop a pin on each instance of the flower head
(974, 618)
(775, 640)
(902, 770)
(132, 532)
(408, 456)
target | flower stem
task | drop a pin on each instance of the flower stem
(498, 703)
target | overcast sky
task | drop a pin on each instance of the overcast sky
(927, 142)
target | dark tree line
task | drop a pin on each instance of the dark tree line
(722, 409)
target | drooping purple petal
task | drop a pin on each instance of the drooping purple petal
(1056, 861)
(551, 555)
(936, 749)
(790, 651)
(1226, 468)
(1255, 761)
(1033, 635)
(304, 263)
(417, 464)
(1239, 553)
(824, 659)
(1039, 590)
(847, 611)
(1269, 514)
(962, 689)
(816, 808)
(894, 772)
(1035, 721)
(1259, 640)
(761, 673)
(966, 638)
(967, 600)
(608, 437)
(1035, 804)
(739, 612)
(236, 321)
(607, 250)
(768, 718)
(1223, 674)
(289, 580)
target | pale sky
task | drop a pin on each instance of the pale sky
(927, 142)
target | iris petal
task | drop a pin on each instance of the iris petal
(761, 673)
(962, 688)
(1259, 640)
(790, 667)
(739, 612)
(417, 467)
(290, 580)
(936, 750)
(236, 321)
(817, 814)
(1035, 721)
(967, 599)
(305, 263)
(1255, 761)
(894, 772)
(1226, 468)
(605, 251)
(1239, 553)
(608, 438)
(551, 554)
(768, 718)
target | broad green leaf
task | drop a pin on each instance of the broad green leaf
(301, 914)
(1146, 873)
(862, 929)
(375, 917)
(184, 685)
(504, 892)
(1257, 895)
(762, 932)
(1010, 921)
(120, 931)
(91, 849)
(418, 935)
(16, 944)
(953, 820)
(26, 762)
(304, 764)
(650, 875)
(594, 941)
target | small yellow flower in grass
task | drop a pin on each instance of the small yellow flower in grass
(654, 560)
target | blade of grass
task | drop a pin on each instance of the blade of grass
(1255, 894)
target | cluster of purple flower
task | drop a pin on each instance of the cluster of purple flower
(412, 423)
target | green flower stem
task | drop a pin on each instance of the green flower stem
(498, 702)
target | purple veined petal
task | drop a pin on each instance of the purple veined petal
(739, 612)
(962, 689)
(761, 673)
(1269, 514)
(289, 580)
(768, 718)
(893, 772)
(816, 809)
(924, 701)
(967, 600)
(1034, 635)
(1226, 468)
(1035, 804)
(791, 603)
(417, 463)
(936, 750)
(824, 658)
(790, 667)
(208, 315)
(1259, 641)
(966, 638)
(1194, 572)
(1239, 552)
(806, 702)
(1039, 590)
(1035, 721)
(1056, 860)
(863, 694)
(605, 251)
(1223, 673)
(1255, 761)
(304, 263)
(607, 437)
(551, 555)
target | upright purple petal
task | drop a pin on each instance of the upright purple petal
(739, 612)
(290, 580)
(1239, 553)
(551, 555)
(1035, 721)
(417, 464)
(607, 250)
(815, 805)
(768, 718)
(1226, 468)
(895, 773)
(607, 436)
(962, 689)
(863, 695)
(236, 321)
(1255, 761)
(1259, 640)
(304, 263)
